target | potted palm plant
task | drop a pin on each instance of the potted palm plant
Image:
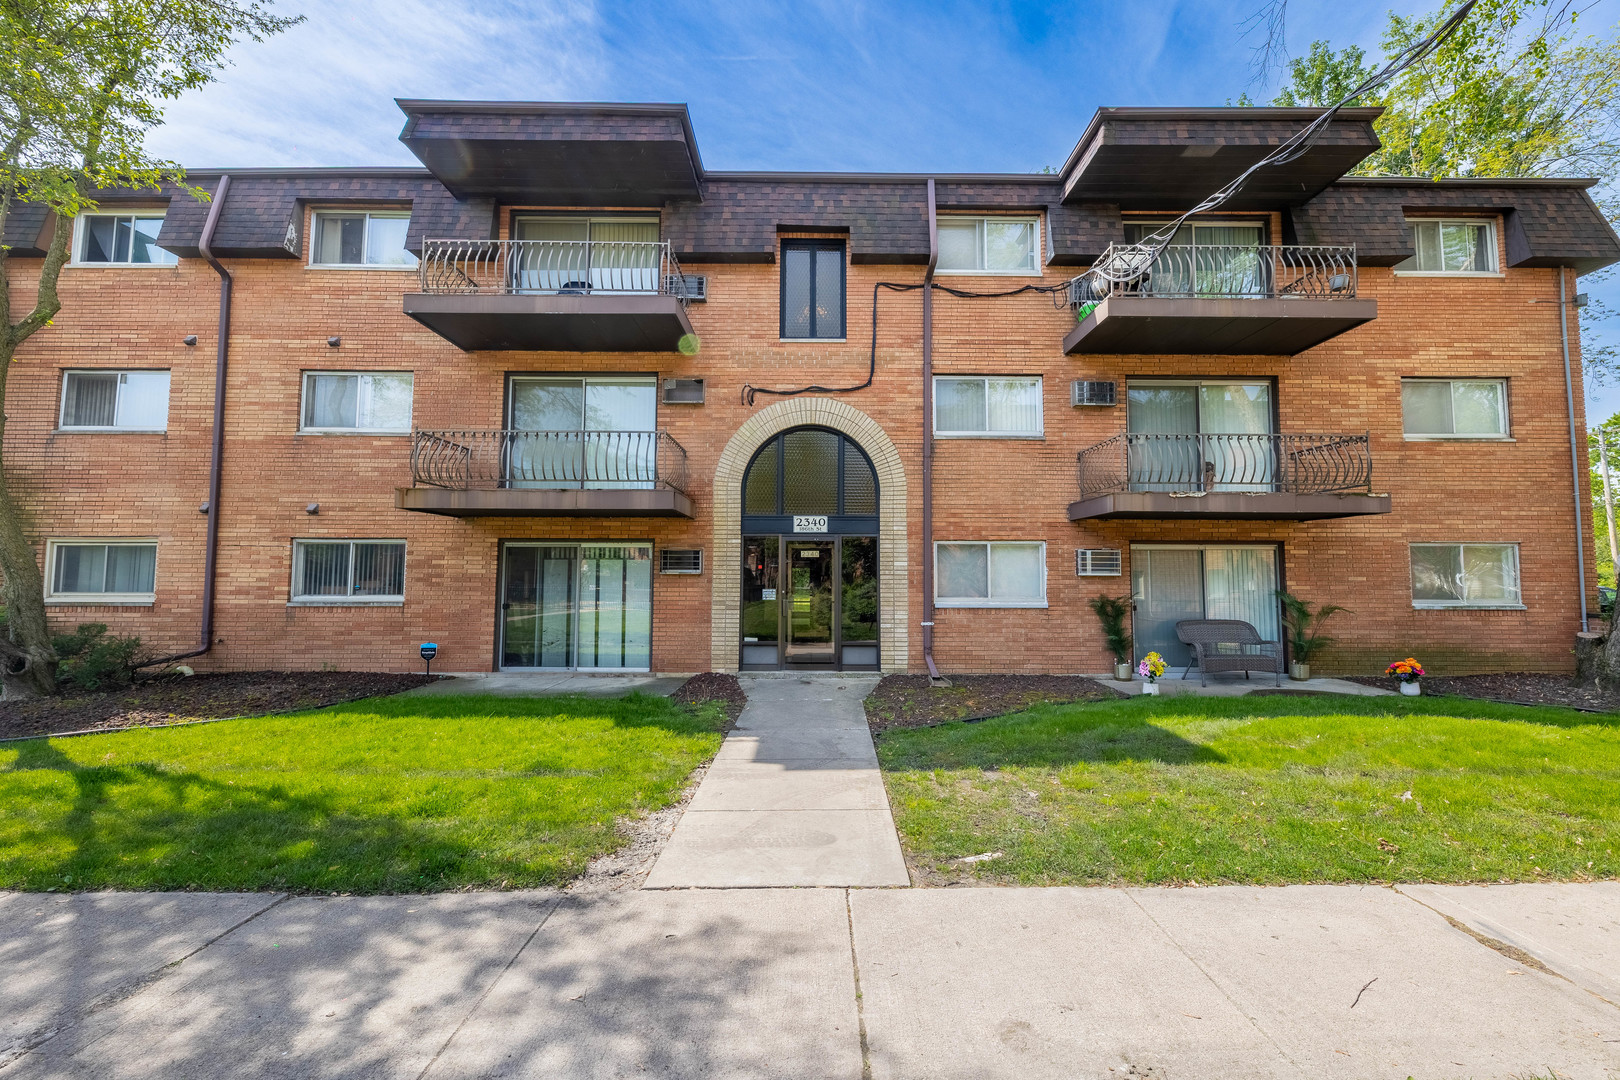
(1305, 637)
(1111, 612)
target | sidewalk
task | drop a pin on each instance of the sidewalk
(956, 984)
(793, 798)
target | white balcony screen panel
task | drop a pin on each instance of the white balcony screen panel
(609, 404)
(1240, 464)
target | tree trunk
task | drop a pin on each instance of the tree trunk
(27, 660)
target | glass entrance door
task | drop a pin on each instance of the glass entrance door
(810, 603)
(1169, 584)
(808, 607)
(586, 607)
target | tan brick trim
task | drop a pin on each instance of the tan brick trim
(893, 546)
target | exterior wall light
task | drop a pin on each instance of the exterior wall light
(313, 508)
(189, 339)
(334, 341)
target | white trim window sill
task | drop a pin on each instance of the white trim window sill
(100, 601)
(1451, 273)
(1459, 438)
(350, 431)
(989, 273)
(1470, 607)
(121, 266)
(1030, 605)
(997, 435)
(390, 268)
(108, 431)
(350, 602)
(811, 340)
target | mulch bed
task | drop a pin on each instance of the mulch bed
(1516, 687)
(713, 686)
(908, 701)
(171, 699)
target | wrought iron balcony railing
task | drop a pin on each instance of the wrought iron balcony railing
(550, 267)
(1194, 464)
(1219, 272)
(464, 459)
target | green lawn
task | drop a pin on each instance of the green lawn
(1261, 790)
(388, 794)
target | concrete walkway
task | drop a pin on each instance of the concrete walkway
(793, 798)
(892, 984)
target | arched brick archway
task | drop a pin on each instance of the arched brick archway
(893, 545)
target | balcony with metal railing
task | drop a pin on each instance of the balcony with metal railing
(1296, 477)
(567, 295)
(1220, 299)
(511, 473)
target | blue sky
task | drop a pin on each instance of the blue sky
(815, 84)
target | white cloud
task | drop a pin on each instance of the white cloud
(323, 92)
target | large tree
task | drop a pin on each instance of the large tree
(82, 83)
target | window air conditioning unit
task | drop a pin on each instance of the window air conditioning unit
(1086, 392)
(1098, 562)
(683, 391)
(694, 286)
(680, 561)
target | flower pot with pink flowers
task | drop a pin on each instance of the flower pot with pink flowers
(1151, 667)
(1407, 672)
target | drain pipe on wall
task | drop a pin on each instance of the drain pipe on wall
(217, 452)
(1582, 491)
(928, 441)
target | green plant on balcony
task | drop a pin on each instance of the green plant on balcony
(1304, 625)
(1112, 612)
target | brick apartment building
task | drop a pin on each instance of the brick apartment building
(524, 403)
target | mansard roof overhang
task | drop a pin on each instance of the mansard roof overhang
(557, 153)
(1169, 159)
(1546, 221)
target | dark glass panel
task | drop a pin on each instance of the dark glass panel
(829, 294)
(759, 487)
(860, 485)
(810, 472)
(860, 583)
(796, 315)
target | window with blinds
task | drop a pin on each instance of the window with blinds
(348, 571)
(115, 401)
(101, 571)
(997, 406)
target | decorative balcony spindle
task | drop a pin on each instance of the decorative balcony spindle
(550, 268)
(1193, 464)
(468, 459)
(1220, 272)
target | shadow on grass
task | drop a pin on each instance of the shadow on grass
(1051, 735)
(144, 826)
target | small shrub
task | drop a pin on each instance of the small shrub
(93, 659)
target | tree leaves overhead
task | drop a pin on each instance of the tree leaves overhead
(86, 79)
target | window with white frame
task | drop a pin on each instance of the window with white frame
(990, 574)
(371, 239)
(348, 571)
(1004, 406)
(989, 245)
(1465, 575)
(366, 401)
(128, 239)
(101, 571)
(1454, 408)
(101, 400)
(1451, 247)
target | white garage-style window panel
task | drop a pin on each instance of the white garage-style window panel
(1454, 408)
(372, 240)
(374, 402)
(101, 571)
(990, 574)
(1465, 576)
(983, 406)
(1451, 247)
(348, 572)
(989, 245)
(128, 239)
(102, 400)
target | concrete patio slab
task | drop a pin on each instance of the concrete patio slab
(534, 684)
(969, 984)
(747, 785)
(62, 956)
(1572, 928)
(756, 984)
(781, 848)
(334, 987)
(1230, 685)
(1360, 981)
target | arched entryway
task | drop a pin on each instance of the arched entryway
(810, 555)
(811, 458)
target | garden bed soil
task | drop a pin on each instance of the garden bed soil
(909, 701)
(1515, 687)
(173, 699)
(713, 686)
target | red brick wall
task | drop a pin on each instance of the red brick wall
(152, 485)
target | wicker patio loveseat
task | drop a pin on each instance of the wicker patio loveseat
(1228, 645)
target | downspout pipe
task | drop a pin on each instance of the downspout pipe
(205, 637)
(1582, 491)
(928, 439)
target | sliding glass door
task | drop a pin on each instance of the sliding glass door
(1208, 260)
(580, 606)
(1200, 436)
(1170, 583)
(585, 255)
(592, 432)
